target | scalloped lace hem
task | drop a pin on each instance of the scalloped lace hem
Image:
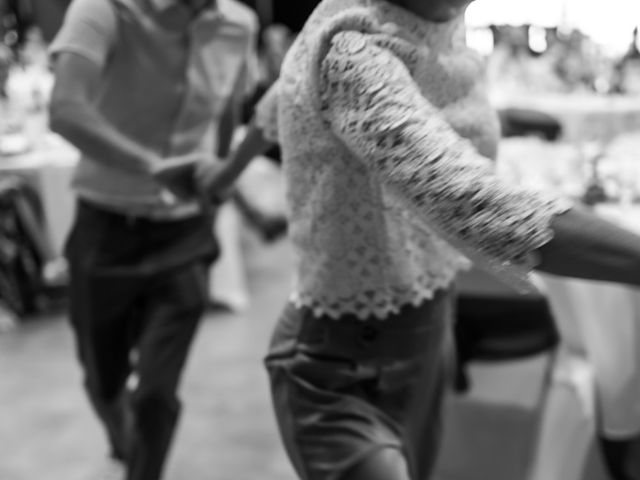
(365, 308)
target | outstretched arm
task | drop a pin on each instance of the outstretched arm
(586, 246)
(372, 103)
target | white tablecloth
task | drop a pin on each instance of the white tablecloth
(597, 320)
(601, 321)
(49, 170)
(595, 388)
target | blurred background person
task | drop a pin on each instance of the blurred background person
(149, 92)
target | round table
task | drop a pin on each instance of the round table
(598, 321)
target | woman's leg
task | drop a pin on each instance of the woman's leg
(424, 424)
(333, 436)
(360, 400)
(383, 464)
(423, 421)
(328, 428)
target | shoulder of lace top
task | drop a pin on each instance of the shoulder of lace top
(354, 55)
(358, 20)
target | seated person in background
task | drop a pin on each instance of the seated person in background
(29, 266)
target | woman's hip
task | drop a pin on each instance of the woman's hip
(334, 353)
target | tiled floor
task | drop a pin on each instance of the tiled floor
(227, 432)
(47, 431)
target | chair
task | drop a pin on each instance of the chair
(25, 249)
(523, 122)
(494, 323)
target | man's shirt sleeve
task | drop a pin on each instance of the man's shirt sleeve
(89, 29)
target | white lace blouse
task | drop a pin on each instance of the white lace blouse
(387, 137)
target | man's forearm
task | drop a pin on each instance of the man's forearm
(92, 134)
(229, 121)
(251, 146)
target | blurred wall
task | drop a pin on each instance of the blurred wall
(48, 15)
(292, 13)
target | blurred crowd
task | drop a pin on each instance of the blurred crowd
(519, 59)
(555, 60)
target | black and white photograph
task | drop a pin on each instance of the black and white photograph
(320, 239)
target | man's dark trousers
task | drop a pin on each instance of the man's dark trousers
(138, 290)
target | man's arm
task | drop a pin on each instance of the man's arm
(212, 177)
(229, 121)
(218, 181)
(72, 114)
(441, 178)
(244, 86)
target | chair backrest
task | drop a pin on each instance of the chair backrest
(523, 122)
(498, 324)
(20, 259)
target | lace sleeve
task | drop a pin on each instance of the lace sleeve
(369, 98)
(266, 116)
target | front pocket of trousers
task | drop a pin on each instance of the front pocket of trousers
(324, 371)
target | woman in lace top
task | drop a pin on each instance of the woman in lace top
(387, 139)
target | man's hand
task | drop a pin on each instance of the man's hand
(195, 177)
(212, 180)
(177, 174)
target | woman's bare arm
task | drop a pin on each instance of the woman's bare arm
(587, 246)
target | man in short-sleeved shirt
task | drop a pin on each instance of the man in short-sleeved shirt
(141, 86)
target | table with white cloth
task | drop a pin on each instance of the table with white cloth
(48, 169)
(597, 378)
(601, 321)
(595, 387)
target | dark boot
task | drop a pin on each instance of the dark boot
(622, 457)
